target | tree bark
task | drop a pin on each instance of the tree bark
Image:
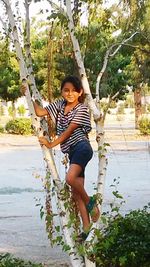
(13, 110)
(138, 106)
(50, 64)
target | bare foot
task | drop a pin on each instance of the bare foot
(95, 214)
(93, 209)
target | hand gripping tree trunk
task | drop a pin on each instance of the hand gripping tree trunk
(76, 260)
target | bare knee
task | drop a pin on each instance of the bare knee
(73, 173)
(70, 179)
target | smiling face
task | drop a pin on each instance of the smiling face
(70, 94)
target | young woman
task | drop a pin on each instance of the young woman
(72, 121)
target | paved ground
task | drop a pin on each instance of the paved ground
(20, 228)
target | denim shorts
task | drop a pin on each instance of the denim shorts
(80, 154)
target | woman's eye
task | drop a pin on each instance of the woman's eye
(66, 90)
(69, 91)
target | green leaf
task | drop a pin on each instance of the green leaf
(116, 194)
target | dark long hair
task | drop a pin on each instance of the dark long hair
(76, 82)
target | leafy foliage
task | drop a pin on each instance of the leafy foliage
(111, 84)
(122, 241)
(1, 129)
(139, 66)
(148, 107)
(1, 110)
(21, 110)
(11, 111)
(125, 241)
(144, 126)
(7, 260)
(19, 126)
(9, 73)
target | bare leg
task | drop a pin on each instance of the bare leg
(82, 208)
(77, 184)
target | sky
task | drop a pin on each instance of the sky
(36, 7)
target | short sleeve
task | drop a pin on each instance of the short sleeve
(54, 108)
(82, 117)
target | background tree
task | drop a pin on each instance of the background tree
(9, 74)
(139, 66)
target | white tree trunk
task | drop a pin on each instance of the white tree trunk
(92, 105)
(28, 53)
(102, 148)
(95, 110)
(79, 60)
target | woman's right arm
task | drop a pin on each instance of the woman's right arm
(40, 112)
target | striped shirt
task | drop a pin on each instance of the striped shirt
(79, 115)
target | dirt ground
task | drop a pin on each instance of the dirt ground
(111, 136)
(117, 128)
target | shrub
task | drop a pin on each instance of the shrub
(125, 241)
(129, 102)
(21, 110)
(7, 260)
(1, 129)
(144, 126)
(11, 111)
(113, 104)
(104, 104)
(1, 110)
(120, 109)
(148, 107)
(19, 126)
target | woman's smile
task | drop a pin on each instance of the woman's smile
(70, 94)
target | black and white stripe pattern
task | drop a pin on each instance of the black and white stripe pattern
(79, 115)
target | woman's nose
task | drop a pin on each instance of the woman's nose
(70, 92)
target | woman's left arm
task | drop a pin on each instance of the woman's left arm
(65, 135)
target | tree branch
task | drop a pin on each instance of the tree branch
(57, 7)
(122, 43)
(5, 2)
(34, 90)
(106, 58)
(138, 47)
